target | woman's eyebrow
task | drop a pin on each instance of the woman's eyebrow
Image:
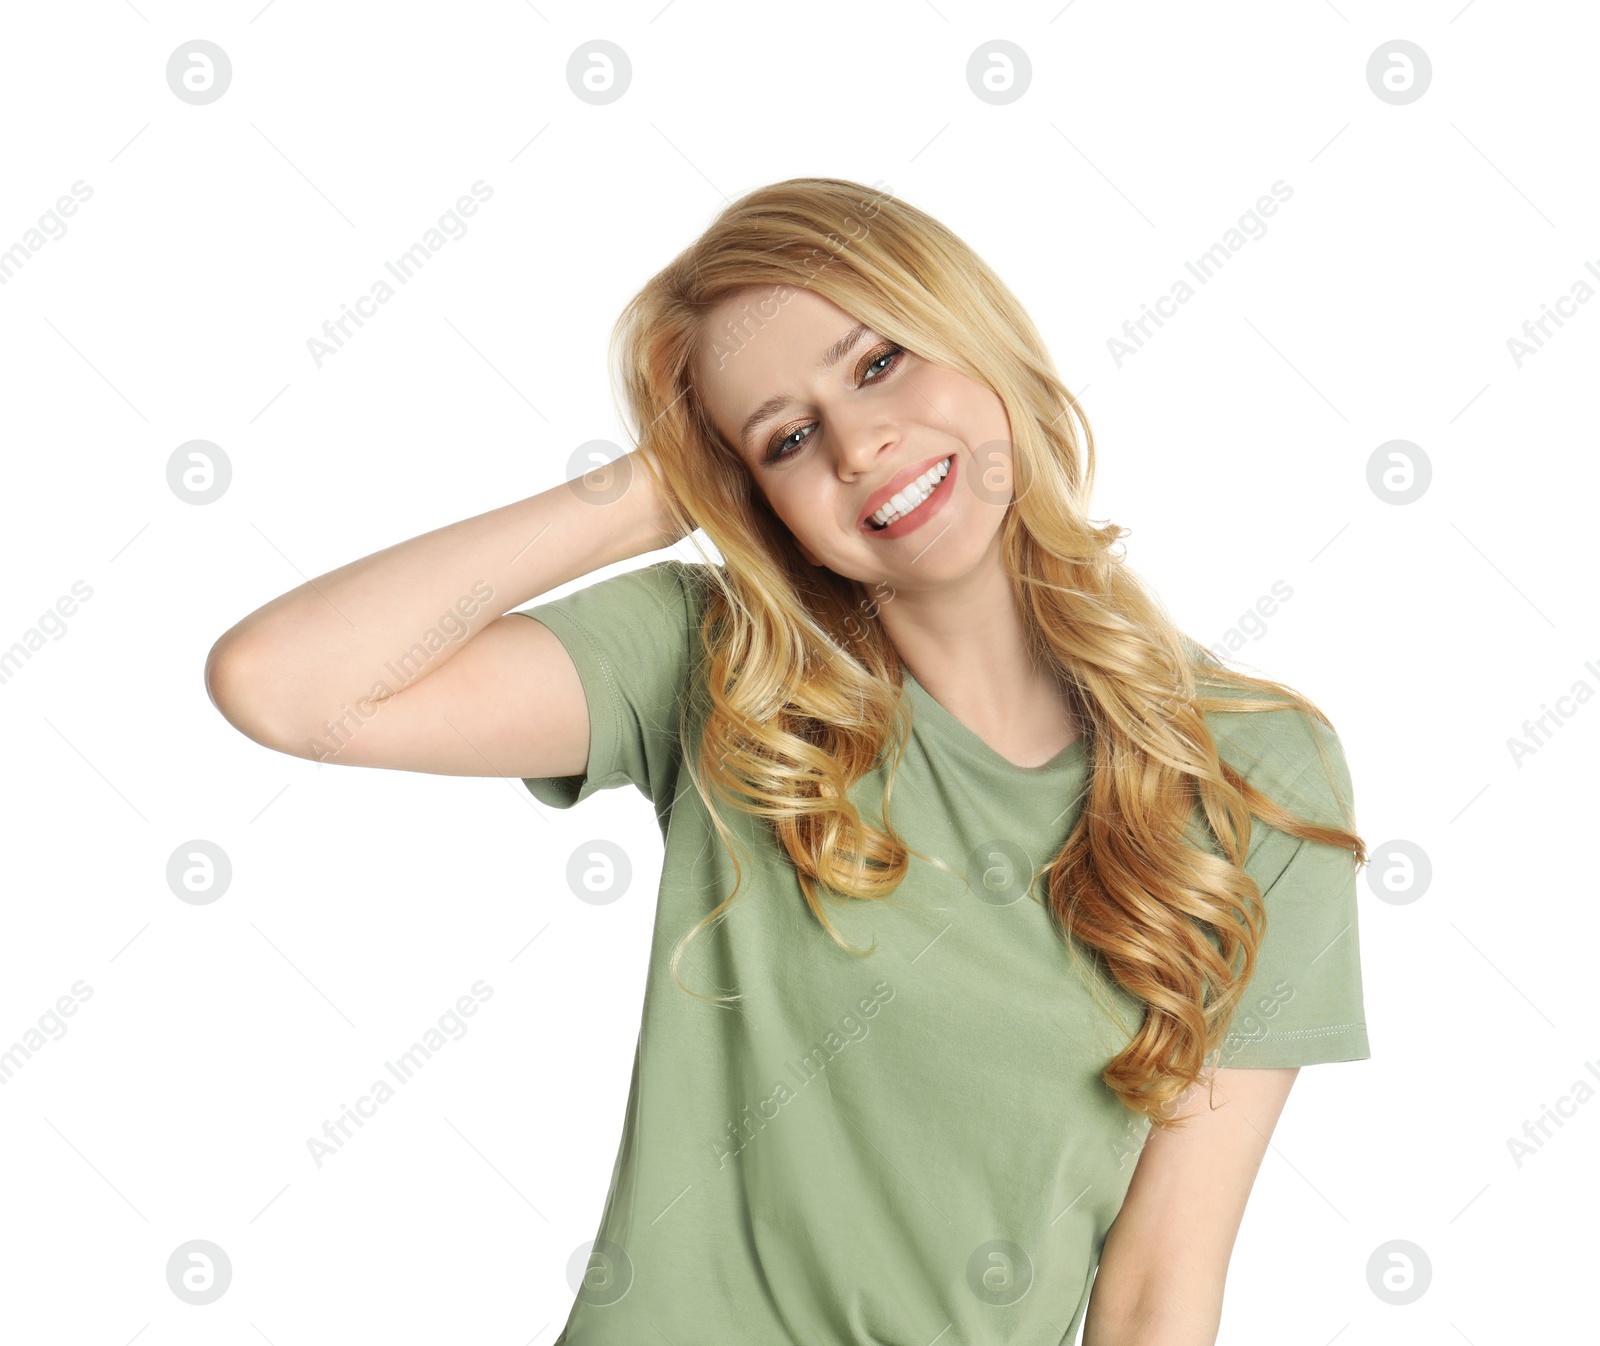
(776, 403)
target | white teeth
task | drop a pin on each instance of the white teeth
(903, 501)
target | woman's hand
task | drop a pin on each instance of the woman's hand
(653, 495)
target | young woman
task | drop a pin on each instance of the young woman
(996, 915)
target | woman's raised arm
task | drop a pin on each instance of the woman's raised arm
(405, 659)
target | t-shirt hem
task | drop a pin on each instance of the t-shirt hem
(605, 722)
(1297, 1047)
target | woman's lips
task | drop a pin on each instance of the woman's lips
(901, 479)
(936, 501)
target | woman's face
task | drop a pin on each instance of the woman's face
(826, 442)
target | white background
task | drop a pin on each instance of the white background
(1236, 444)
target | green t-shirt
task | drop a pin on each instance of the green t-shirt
(913, 1145)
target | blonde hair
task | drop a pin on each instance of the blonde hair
(800, 690)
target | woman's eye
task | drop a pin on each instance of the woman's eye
(884, 358)
(777, 447)
(891, 354)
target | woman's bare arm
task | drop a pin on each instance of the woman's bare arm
(406, 659)
(1164, 1264)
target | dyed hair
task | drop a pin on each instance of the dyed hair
(801, 692)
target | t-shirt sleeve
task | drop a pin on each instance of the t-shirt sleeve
(1303, 1004)
(630, 637)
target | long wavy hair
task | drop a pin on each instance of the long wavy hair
(799, 692)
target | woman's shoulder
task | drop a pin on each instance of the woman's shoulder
(1288, 752)
(698, 578)
(671, 586)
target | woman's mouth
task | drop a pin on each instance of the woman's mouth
(909, 506)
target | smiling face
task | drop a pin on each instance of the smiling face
(831, 419)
